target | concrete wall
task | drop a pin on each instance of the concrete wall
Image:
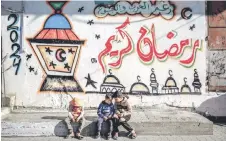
(136, 52)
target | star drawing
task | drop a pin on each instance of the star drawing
(90, 22)
(31, 69)
(90, 81)
(28, 56)
(81, 9)
(52, 64)
(66, 66)
(48, 50)
(71, 51)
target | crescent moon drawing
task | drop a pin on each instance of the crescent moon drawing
(184, 15)
(59, 56)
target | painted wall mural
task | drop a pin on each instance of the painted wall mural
(148, 9)
(14, 29)
(57, 48)
(111, 84)
(150, 48)
(147, 38)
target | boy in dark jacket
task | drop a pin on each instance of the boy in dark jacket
(122, 115)
(105, 113)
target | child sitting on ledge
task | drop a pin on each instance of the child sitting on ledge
(75, 114)
(122, 115)
(105, 113)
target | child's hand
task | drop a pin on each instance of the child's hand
(77, 119)
(73, 120)
(115, 116)
(105, 118)
(117, 112)
(121, 115)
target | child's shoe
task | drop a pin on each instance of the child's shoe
(98, 135)
(115, 137)
(70, 134)
(108, 136)
(79, 136)
(132, 135)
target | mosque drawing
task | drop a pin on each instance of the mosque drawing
(111, 84)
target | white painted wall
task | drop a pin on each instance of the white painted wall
(25, 85)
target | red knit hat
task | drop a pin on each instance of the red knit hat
(76, 102)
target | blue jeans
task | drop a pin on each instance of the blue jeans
(101, 120)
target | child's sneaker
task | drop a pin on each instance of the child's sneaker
(115, 137)
(79, 136)
(132, 135)
(70, 134)
(97, 136)
(108, 136)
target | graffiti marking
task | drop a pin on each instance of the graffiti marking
(71, 51)
(192, 27)
(14, 38)
(93, 60)
(59, 54)
(111, 86)
(31, 69)
(184, 12)
(90, 22)
(171, 34)
(28, 56)
(143, 8)
(90, 81)
(66, 66)
(48, 50)
(120, 52)
(97, 36)
(52, 64)
(81, 9)
(196, 83)
(146, 39)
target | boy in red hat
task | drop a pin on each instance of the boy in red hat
(75, 114)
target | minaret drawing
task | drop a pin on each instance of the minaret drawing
(196, 83)
(154, 84)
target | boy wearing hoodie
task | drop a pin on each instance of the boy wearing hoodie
(122, 115)
(75, 114)
(105, 112)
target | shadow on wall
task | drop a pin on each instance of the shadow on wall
(214, 109)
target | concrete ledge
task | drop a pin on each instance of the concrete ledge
(9, 101)
(5, 111)
(146, 122)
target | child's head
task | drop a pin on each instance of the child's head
(76, 102)
(108, 98)
(118, 96)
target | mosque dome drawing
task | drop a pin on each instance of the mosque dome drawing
(111, 84)
(185, 88)
(170, 84)
(139, 88)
